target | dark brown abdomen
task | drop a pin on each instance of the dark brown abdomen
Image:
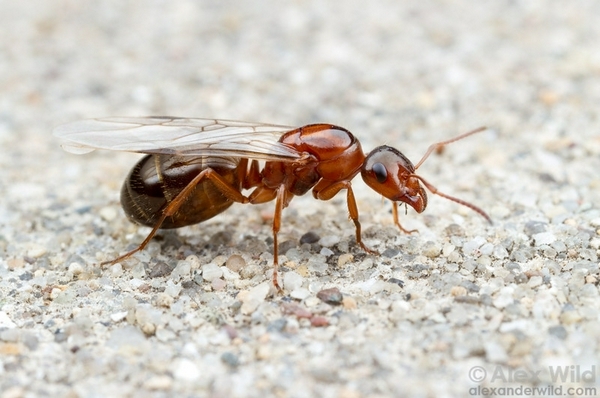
(157, 179)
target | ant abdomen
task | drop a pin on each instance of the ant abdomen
(157, 179)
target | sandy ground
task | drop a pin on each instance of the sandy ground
(462, 308)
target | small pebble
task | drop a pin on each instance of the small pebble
(345, 259)
(329, 241)
(76, 268)
(499, 252)
(164, 300)
(36, 251)
(211, 271)
(182, 270)
(319, 321)
(494, 352)
(457, 315)
(316, 265)
(467, 299)
(454, 230)
(396, 281)
(15, 263)
(458, 291)
(127, 337)
(254, 297)
(534, 227)
(139, 271)
(160, 269)
(309, 237)
(26, 276)
(303, 271)
(471, 246)
(559, 246)
(11, 335)
(230, 359)
(558, 331)
(10, 349)
(108, 213)
(326, 252)
(286, 246)
(535, 281)
(277, 325)
(499, 212)
(486, 249)
(331, 296)
(447, 249)
(116, 270)
(164, 335)
(14, 392)
(315, 286)
(349, 303)
(30, 340)
(229, 275)
(504, 298)
(390, 253)
(118, 316)
(148, 328)
(186, 370)
(311, 301)
(431, 249)
(296, 310)
(218, 284)
(292, 280)
(173, 289)
(160, 382)
(235, 263)
(544, 238)
(300, 293)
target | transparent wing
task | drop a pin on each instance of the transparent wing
(178, 136)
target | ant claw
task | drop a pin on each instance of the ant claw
(406, 231)
(368, 250)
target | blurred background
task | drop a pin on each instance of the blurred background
(434, 64)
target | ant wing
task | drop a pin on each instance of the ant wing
(178, 136)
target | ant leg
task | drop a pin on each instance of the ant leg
(279, 202)
(330, 191)
(397, 220)
(223, 186)
(263, 194)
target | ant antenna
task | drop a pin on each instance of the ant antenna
(435, 191)
(437, 145)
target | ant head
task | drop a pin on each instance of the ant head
(391, 174)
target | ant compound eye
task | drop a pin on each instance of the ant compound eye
(380, 172)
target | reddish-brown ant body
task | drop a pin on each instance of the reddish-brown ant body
(197, 168)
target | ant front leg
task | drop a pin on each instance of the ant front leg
(207, 174)
(397, 220)
(330, 191)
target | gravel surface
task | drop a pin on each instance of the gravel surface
(461, 308)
